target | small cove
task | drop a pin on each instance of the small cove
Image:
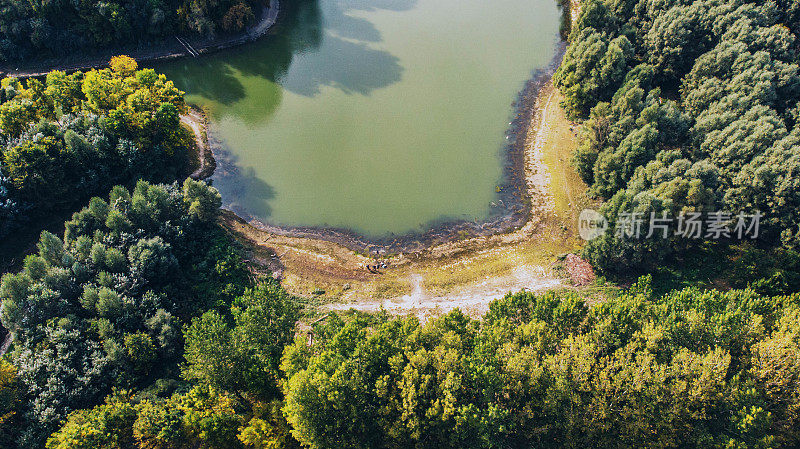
(381, 117)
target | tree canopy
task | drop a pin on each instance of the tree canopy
(689, 369)
(74, 136)
(103, 306)
(31, 30)
(686, 107)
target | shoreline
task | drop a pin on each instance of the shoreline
(443, 275)
(197, 120)
(513, 210)
(168, 48)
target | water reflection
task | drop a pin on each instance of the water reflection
(243, 192)
(356, 115)
(308, 49)
(313, 45)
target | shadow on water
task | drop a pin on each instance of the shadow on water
(315, 44)
(346, 26)
(327, 47)
(242, 191)
(217, 77)
(345, 65)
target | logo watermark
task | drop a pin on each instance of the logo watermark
(591, 224)
(691, 225)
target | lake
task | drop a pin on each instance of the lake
(378, 116)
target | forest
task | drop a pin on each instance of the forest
(56, 28)
(69, 137)
(129, 333)
(144, 324)
(101, 310)
(687, 107)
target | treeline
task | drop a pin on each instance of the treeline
(142, 328)
(690, 369)
(687, 106)
(69, 137)
(36, 30)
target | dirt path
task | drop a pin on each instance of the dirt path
(472, 299)
(197, 121)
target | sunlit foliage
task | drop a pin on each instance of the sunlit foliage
(76, 135)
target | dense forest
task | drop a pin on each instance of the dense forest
(69, 137)
(691, 368)
(101, 310)
(687, 107)
(143, 326)
(55, 28)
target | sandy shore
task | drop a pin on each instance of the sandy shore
(197, 121)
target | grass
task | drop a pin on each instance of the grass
(567, 188)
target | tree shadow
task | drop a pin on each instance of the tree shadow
(344, 25)
(216, 76)
(222, 87)
(349, 27)
(308, 49)
(345, 65)
(314, 45)
(372, 5)
(243, 192)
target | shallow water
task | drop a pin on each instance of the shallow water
(380, 116)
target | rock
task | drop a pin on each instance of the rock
(579, 270)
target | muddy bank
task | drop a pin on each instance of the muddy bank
(443, 275)
(197, 120)
(511, 210)
(169, 48)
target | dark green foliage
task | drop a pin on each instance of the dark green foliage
(30, 30)
(263, 323)
(77, 135)
(698, 114)
(691, 369)
(9, 210)
(235, 401)
(103, 307)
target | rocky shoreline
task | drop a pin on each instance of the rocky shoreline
(511, 210)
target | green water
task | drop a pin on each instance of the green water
(380, 116)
